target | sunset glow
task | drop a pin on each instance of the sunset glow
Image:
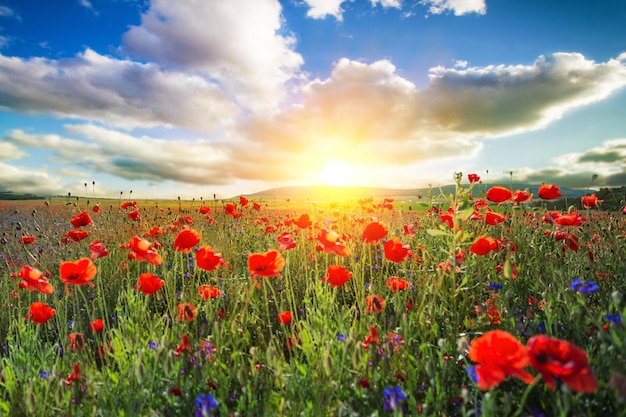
(336, 173)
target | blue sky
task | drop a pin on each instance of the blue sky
(193, 98)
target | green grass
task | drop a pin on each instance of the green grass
(317, 365)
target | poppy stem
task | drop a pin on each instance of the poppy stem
(522, 402)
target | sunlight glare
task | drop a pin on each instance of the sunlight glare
(336, 173)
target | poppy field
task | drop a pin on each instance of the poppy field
(464, 306)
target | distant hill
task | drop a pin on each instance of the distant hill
(9, 195)
(328, 193)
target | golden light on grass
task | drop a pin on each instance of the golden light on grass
(336, 173)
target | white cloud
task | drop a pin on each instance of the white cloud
(122, 93)
(397, 4)
(9, 151)
(319, 9)
(28, 180)
(458, 7)
(240, 45)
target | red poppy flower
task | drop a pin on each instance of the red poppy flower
(256, 206)
(374, 232)
(77, 341)
(569, 239)
(184, 346)
(549, 192)
(243, 201)
(186, 240)
(82, 219)
(303, 221)
(337, 276)
(375, 304)
(472, 178)
(480, 204)
(492, 218)
(134, 215)
(331, 242)
(520, 196)
(96, 326)
(97, 250)
(555, 358)
(286, 241)
(409, 230)
(590, 201)
(77, 235)
(396, 283)
(39, 313)
(498, 194)
(187, 312)
(79, 272)
(208, 291)
(204, 210)
(395, 251)
(371, 338)
(141, 250)
(266, 264)
(485, 244)
(32, 279)
(499, 355)
(207, 259)
(448, 218)
(148, 284)
(96, 209)
(284, 317)
(74, 376)
(571, 219)
(231, 209)
(27, 240)
(127, 204)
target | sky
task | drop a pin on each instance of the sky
(191, 98)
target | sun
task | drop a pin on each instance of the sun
(336, 173)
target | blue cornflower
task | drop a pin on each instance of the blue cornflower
(393, 397)
(204, 404)
(583, 288)
(495, 286)
(614, 318)
(471, 371)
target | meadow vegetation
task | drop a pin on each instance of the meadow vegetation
(470, 307)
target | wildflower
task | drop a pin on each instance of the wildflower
(549, 192)
(337, 275)
(184, 346)
(498, 194)
(96, 209)
(331, 242)
(134, 215)
(27, 240)
(286, 241)
(207, 259)
(375, 304)
(82, 219)
(304, 221)
(569, 239)
(243, 201)
(204, 405)
(472, 178)
(39, 313)
(395, 341)
(74, 376)
(97, 250)
(374, 232)
(154, 233)
(231, 209)
(493, 218)
(571, 219)
(284, 317)
(204, 210)
(583, 288)
(186, 240)
(409, 230)
(208, 291)
(127, 204)
(563, 360)
(148, 284)
(499, 355)
(485, 244)
(520, 196)
(256, 206)
(77, 341)
(79, 272)
(396, 283)
(393, 397)
(371, 338)
(395, 251)
(590, 201)
(142, 250)
(32, 279)
(187, 312)
(266, 264)
(614, 318)
(96, 326)
(77, 235)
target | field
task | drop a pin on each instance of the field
(473, 307)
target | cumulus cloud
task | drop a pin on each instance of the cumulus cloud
(28, 180)
(241, 45)
(319, 9)
(10, 151)
(458, 7)
(119, 92)
(397, 4)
